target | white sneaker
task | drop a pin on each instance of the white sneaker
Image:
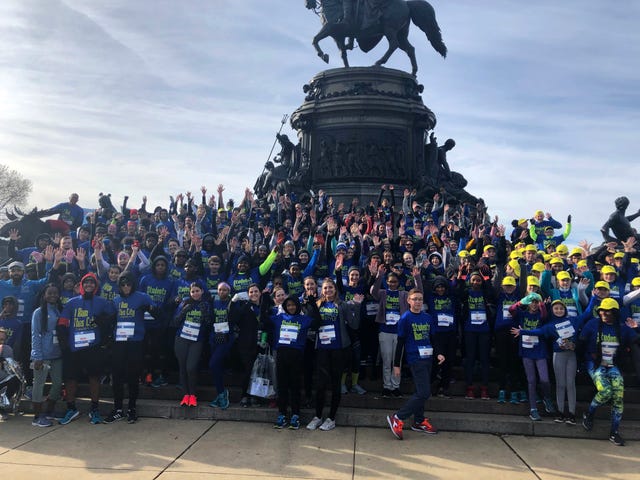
(314, 423)
(328, 425)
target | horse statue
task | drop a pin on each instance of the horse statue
(369, 20)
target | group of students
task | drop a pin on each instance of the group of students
(326, 287)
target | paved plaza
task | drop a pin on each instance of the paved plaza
(193, 449)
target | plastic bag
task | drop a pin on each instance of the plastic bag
(263, 376)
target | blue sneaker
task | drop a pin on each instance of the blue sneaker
(41, 421)
(71, 415)
(534, 415)
(95, 418)
(294, 424)
(223, 402)
(281, 422)
(523, 397)
(160, 381)
(215, 402)
(514, 398)
(502, 396)
(549, 407)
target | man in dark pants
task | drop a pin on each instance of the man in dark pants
(414, 336)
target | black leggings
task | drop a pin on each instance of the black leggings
(289, 366)
(127, 364)
(331, 364)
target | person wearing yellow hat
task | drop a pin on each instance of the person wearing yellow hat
(529, 314)
(631, 301)
(529, 254)
(609, 274)
(533, 284)
(564, 291)
(548, 241)
(604, 337)
(562, 330)
(510, 373)
(542, 220)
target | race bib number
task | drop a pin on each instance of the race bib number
(391, 318)
(425, 352)
(327, 334)
(445, 320)
(572, 311)
(565, 330)
(529, 341)
(55, 338)
(288, 334)
(478, 318)
(148, 317)
(190, 331)
(372, 309)
(124, 331)
(608, 352)
(83, 339)
(506, 314)
(221, 327)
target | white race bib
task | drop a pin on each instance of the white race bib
(372, 309)
(190, 331)
(83, 339)
(572, 311)
(288, 334)
(221, 327)
(506, 314)
(327, 334)
(445, 320)
(529, 341)
(478, 318)
(425, 352)
(124, 331)
(148, 317)
(565, 329)
(391, 318)
(608, 351)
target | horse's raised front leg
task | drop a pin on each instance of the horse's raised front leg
(322, 34)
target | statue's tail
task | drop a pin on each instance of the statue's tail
(424, 17)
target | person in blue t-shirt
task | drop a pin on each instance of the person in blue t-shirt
(128, 352)
(415, 330)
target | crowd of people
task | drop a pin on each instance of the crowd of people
(327, 287)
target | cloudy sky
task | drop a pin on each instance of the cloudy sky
(158, 97)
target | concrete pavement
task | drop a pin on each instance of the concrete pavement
(164, 449)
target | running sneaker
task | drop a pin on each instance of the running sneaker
(523, 397)
(71, 415)
(132, 416)
(4, 416)
(471, 394)
(41, 421)
(560, 418)
(193, 401)
(224, 400)
(396, 393)
(244, 402)
(484, 393)
(386, 393)
(616, 439)
(314, 423)
(215, 402)
(570, 419)
(534, 415)
(185, 401)
(160, 381)
(281, 422)
(95, 418)
(148, 380)
(327, 425)
(502, 396)
(358, 390)
(514, 398)
(395, 424)
(114, 416)
(587, 421)
(294, 423)
(424, 427)
(549, 407)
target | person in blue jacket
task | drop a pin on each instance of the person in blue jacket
(415, 330)
(530, 313)
(128, 351)
(290, 333)
(604, 338)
